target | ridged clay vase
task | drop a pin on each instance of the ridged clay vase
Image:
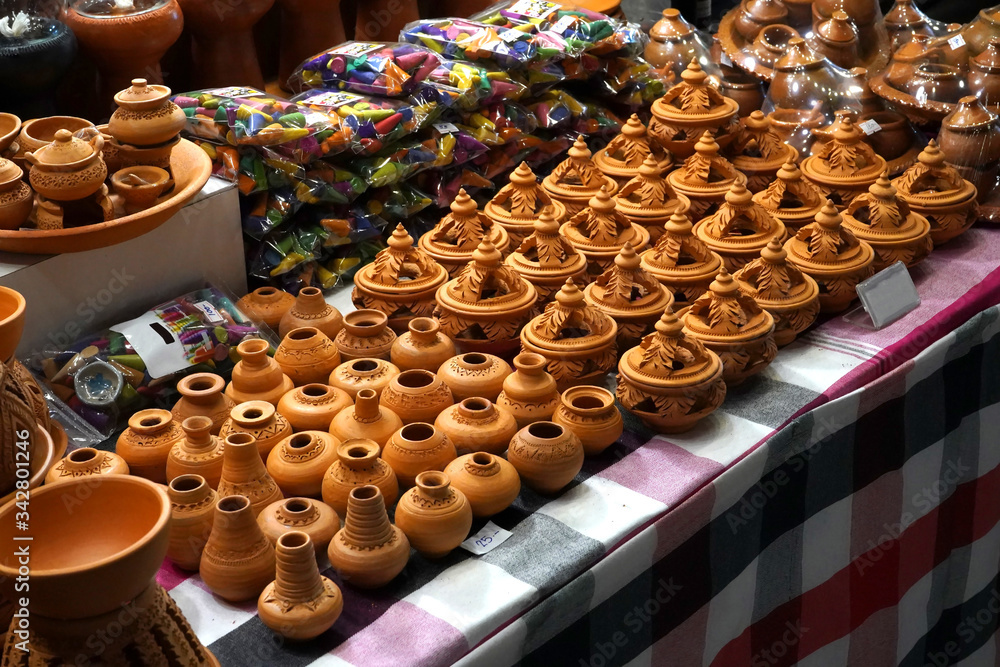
(490, 483)
(202, 395)
(366, 419)
(546, 455)
(192, 514)
(423, 346)
(314, 518)
(364, 373)
(307, 356)
(311, 310)
(85, 462)
(257, 377)
(244, 474)
(198, 453)
(451, 242)
(369, 551)
(297, 463)
(416, 448)
(474, 374)
(681, 261)
(267, 305)
(576, 180)
(366, 334)
(260, 420)
(417, 396)
(358, 465)
(238, 560)
(312, 407)
(530, 393)
(435, 517)
(146, 444)
(591, 414)
(477, 425)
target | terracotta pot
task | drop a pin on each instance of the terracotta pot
(257, 377)
(600, 231)
(244, 474)
(753, 15)
(217, 35)
(688, 110)
(85, 462)
(366, 334)
(546, 455)
(260, 420)
(12, 308)
(267, 305)
(307, 356)
(317, 520)
(984, 74)
(800, 76)
(451, 242)
(762, 55)
(590, 413)
(68, 169)
(140, 187)
(887, 224)
(546, 258)
(648, 200)
(681, 261)
(202, 396)
(672, 42)
(417, 396)
(307, 27)
(146, 444)
(969, 135)
(363, 373)
(705, 178)
(435, 517)
(518, 204)
(369, 552)
(15, 398)
(424, 346)
(313, 407)
(790, 198)
(846, 166)
(474, 374)
(489, 483)
(837, 40)
(740, 229)
(358, 464)
(745, 90)
(197, 453)
(477, 425)
(577, 179)
(310, 309)
(416, 448)
(238, 559)
(192, 513)
(297, 464)
(760, 151)
(627, 152)
(40, 132)
(366, 419)
(903, 21)
(939, 193)
(299, 604)
(16, 198)
(530, 393)
(145, 115)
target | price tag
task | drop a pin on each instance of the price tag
(535, 9)
(211, 313)
(511, 35)
(956, 42)
(888, 295)
(355, 48)
(332, 99)
(445, 128)
(564, 24)
(870, 126)
(487, 539)
(235, 91)
(921, 95)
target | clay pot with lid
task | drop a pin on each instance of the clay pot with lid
(256, 376)
(546, 455)
(369, 552)
(297, 463)
(85, 462)
(837, 39)
(202, 396)
(903, 21)
(16, 198)
(670, 381)
(626, 153)
(310, 309)
(490, 483)
(307, 356)
(198, 453)
(477, 425)
(740, 229)
(192, 513)
(648, 200)
(267, 305)
(474, 374)
(417, 396)
(600, 231)
(939, 193)
(590, 413)
(759, 151)
(681, 261)
(895, 140)
(790, 198)
(754, 15)
(216, 36)
(423, 346)
(358, 464)
(312, 407)
(69, 168)
(846, 166)
(40, 132)
(316, 519)
(984, 75)
(244, 473)
(145, 115)
(705, 178)
(761, 56)
(435, 517)
(688, 110)
(452, 241)
(518, 205)
(789, 295)
(577, 179)
(238, 559)
(546, 258)
(671, 42)
(366, 419)
(146, 444)
(366, 334)
(529, 393)
(863, 13)
(364, 373)
(260, 420)
(887, 224)
(415, 448)
(970, 135)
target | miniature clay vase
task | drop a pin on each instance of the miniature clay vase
(790, 198)
(530, 393)
(416, 396)
(216, 35)
(267, 305)
(297, 463)
(681, 261)
(202, 396)
(887, 224)
(256, 376)
(626, 153)
(590, 413)
(16, 198)
(415, 448)
(423, 346)
(546, 258)
(939, 193)
(145, 115)
(600, 231)
(317, 520)
(833, 256)
(705, 178)
(477, 425)
(671, 42)
(451, 242)
(366, 419)
(837, 40)
(85, 462)
(369, 551)
(299, 604)
(238, 559)
(490, 483)
(311, 310)
(733, 326)
(518, 204)
(192, 513)
(259, 419)
(740, 229)
(688, 110)
(197, 453)
(648, 200)
(307, 356)
(145, 444)
(546, 455)
(969, 134)
(244, 474)
(474, 374)
(363, 373)
(358, 464)
(759, 151)
(307, 27)
(789, 295)
(844, 167)
(435, 517)
(577, 179)
(753, 15)
(366, 334)
(313, 407)
(670, 381)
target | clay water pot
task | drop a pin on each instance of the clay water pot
(590, 413)
(577, 179)
(671, 42)
(318, 520)
(202, 396)
(452, 241)
(887, 224)
(16, 198)
(307, 356)
(197, 453)
(313, 406)
(145, 115)
(416, 448)
(739, 229)
(984, 74)
(705, 178)
(837, 40)
(297, 464)
(753, 15)
(259, 420)
(363, 373)
(257, 377)
(423, 346)
(648, 200)
(681, 261)
(358, 464)
(217, 35)
(474, 374)
(546, 258)
(489, 483)
(366, 419)
(369, 552)
(417, 396)
(146, 444)
(310, 309)
(546, 455)
(476, 424)
(192, 513)
(238, 561)
(627, 152)
(244, 474)
(307, 27)
(530, 393)
(12, 307)
(939, 193)
(790, 198)
(85, 462)
(518, 205)
(267, 305)
(366, 334)
(435, 517)
(969, 135)
(688, 110)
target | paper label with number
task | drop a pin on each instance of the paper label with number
(870, 126)
(486, 539)
(535, 9)
(211, 313)
(332, 99)
(564, 24)
(956, 42)
(445, 128)
(235, 91)
(355, 48)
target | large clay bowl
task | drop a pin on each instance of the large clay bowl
(191, 168)
(12, 306)
(46, 452)
(96, 544)
(10, 126)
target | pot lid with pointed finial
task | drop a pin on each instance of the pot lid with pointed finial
(723, 314)
(758, 147)
(740, 228)
(837, 29)
(694, 100)
(825, 247)
(577, 176)
(520, 202)
(932, 182)
(672, 27)
(765, 12)
(773, 282)
(457, 234)
(845, 160)
(706, 172)
(880, 216)
(625, 154)
(546, 255)
(798, 57)
(400, 269)
(626, 291)
(486, 285)
(570, 323)
(649, 196)
(791, 198)
(679, 255)
(669, 358)
(988, 60)
(970, 115)
(602, 228)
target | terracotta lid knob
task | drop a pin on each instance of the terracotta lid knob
(547, 224)
(139, 83)
(829, 217)
(738, 195)
(724, 285)
(882, 188)
(579, 150)
(789, 172)
(463, 206)
(671, 13)
(523, 175)
(845, 132)
(627, 259)
(649, 168)
(758, 121)
(633, 127)
(601, 202)
(400, 239)
(774, 252)
(678, 224)
(62, 136)
(706, 146)
(932, 155)
(570, 295)
(486, 254)
(694, 74)
(669, 325)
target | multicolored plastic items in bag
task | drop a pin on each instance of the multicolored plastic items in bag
(466, 85)
(500, 123)
(460, 39)
(371, 68)
(396, 203)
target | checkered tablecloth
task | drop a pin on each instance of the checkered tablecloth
(732, 543)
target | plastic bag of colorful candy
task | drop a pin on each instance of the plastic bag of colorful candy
(371, 68)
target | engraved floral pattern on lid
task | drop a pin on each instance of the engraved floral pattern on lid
(740, 229)
(625, 154)
(706, 176)
(845, 165)
(547, 258)
(600, 231)
(886, 222)
(648, 197)
(576, 179)
(681, 261)
(760, 151)
(690, 108)
(724, 314)
(519, 203)
(932, 181)
(453, 239)
(791, 198)
(826, 246)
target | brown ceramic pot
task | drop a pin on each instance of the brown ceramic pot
(518, 204)
(146, 444)
(939, 193)
(267, 305)
(474, 374)
(705, 178)
(238, 559)
(192, 513)
(547, 456)
(369, 552)
(688, 110)
(366, 334)
(984, 75)
(244, 474)
(530, 393)
(590, 413)
(740, 229)
(358, 464)
(600, 231)
(311, 310)
(452, 241)
(40, 132)
(313, 407)
(753, 15)
(790, 198)
(477, 425)
(257, 377)
(546, 258)
(837, 40)
(577, 179)
(681, 261)
(260, 420)
(745, 90)
(844, 167)
(627, 152)
(198, 453)
(363, 373)
(85, 462)
(887, 224)
(297, 464)
(217, 34)
(202, 396)
(307, 356)
(903, 21)
(417, 396)
(416, 448)
(366, 419)
(317, 520)
(16, 198)
(648, 200)
(672, 42)
(969, 135)
(435, 517)
(423, 346)
(490, 483)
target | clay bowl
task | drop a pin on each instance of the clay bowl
(46, 453)
(12, 306)
(191, 167)
(88, 556)
(10, 126)
(140, 186)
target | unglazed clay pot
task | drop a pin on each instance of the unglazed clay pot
(546, 258)
(417, 396)
(759, 151)
(474, 374)
(238, 559)
(16, 198)
(453, 239)
(197, 453)
(939, 193)
(311, 310)
(307, 356)
(477, 425)
(416, 448)
(267, 305)
(366, 419)
(688, 110)
(681, 261)
(705, 178)
(625, 154)
(69, 169)
(299, 604)
(546, 455)
(590, 413)
(576, 180)
(192, 513)
(85, 462)
(489, 483)
(518, 204)
(366, 334)
(423, 346)
(257, 377)
(358, 464)
(313, 407)
(530, 393)
(369, 552)
(260, 420)
(40, 132)
(363, 373)
(790, 198)
(740, 229)
(435, 517)
(887, 224)
(244, 474)
(216, 35)
(671, 380)
(202, 396)
(145, 115)
(318, 520)
(844, 167)
(297, 464)
(648, 200)
(146, 444)
(600, 231)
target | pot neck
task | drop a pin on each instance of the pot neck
(188, 490)
(297, 576)
(150, 422)
(366, 407)
(311, 301)
(198, 433)
(84, 459)
(478, 409)
(367, 524)
(482, 464)
(358, 454)
(297, 511)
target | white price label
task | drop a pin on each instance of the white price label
(956, 42)
(888, 295)
(235, 91)
(211, 313)
(355, 48)
(535, 9)
(445, 128)
(486, 539)
(870, 126)
(511, 35)
(333, 99)
(564, 24)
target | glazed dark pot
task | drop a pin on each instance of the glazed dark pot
(31, 68)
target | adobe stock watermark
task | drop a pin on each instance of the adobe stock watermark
(970, 627)
(21, 631)
(376, 19)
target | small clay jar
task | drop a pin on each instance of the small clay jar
(577, 179)
(313, 407)
(145, 444)
(85, 462)
(648, 200)
(672, 42)
(799, 75)
(267, 305)
(474, 374)
(310, 309)
(202, 396)
(423, 346)
(590, 413)
(299, 604)
(705, 178)
(530, 393)
(887, 224)
(490, 483)
(366, 334)
(317, 520)
(358, 464)
(369, 552)
(364, 373)
(145, 115)
(16, 197)
(681, 261)
(844, 167)
(546, 258)
(366, 419)
(244, 473)
(257, 377)
(451, 242)
(546, 455)
(753, 15)
(627, 152)
(759, 151)
(600, 231)
(198, 453)
(192, 512)
(297, 464)
(518, 204)
(260, 420)
(416, 448)
(477, 425)
(689, 109)
(837, 40)
(238, 559)
(969, 135)
(307, 356)
(790, 198)
(747, 91)
(435, 517)
(740, 229)
(417, 396)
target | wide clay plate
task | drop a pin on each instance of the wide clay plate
(191, 168)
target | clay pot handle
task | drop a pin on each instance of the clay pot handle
(97, 142)
(30, 157)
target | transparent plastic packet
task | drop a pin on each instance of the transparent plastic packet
(388, 69)
(320, 182)
(674, 43)
(267, 211)
(461, 39)
(466, 85)
(443, 184)
(500, 123)
(445, 144)
(396, 203)
(343, 262)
